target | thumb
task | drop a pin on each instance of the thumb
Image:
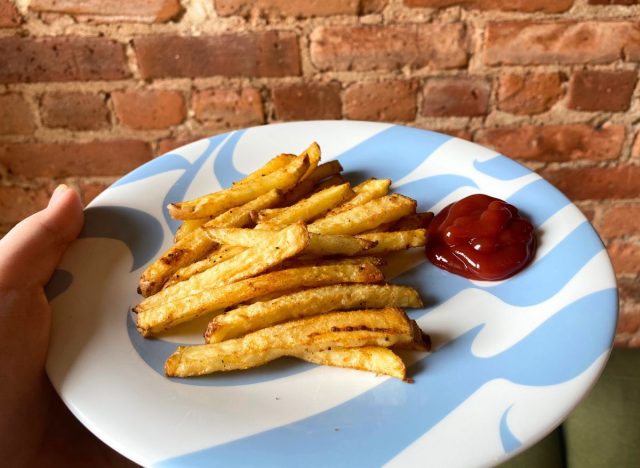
(30, 252)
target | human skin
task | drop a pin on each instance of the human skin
(36, 429)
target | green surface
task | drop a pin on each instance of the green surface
(603, 431)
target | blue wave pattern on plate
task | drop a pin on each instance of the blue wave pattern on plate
(453, 373)
(509, 441)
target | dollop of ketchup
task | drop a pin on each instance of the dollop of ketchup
(481, 237)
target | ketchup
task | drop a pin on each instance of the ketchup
(481, 237)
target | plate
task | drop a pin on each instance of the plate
(512, 358)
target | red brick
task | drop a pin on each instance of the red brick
(15, 115)
(358, 48)
(455, 97)
(525, 43)
(142, 11)
(625, 256)
(629, 289)
(529, 94)
(390, 101)
(90, 190)
(149, 109)
(372, 6)
(269, 53)
(547, 6)
(307, 101)
(69, 58)
(9, 16)
(613, 2)
(97, 158)
(592, 183)
(74, 110)
(594, 90)
(618, 221)
(628, 321)
(635, 149)
(588, 211)
(556, 142)
(298, 8)
(16, 203)
(168, 144)
(457, 132)
(229, 108)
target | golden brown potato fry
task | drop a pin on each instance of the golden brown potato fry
(416, 221)
(397, 240)
(330, 182)
(365, 192)
(313, 153)
(305, 187)
(365, 217)
(308, 302)
(419, 341)
(272, 165)
(219, 255)
(307, 209)
(218, 202)
(290, 241)
(197, 244)
(310, 260)
(374, 359)
(188, 226)
(153, 320)
(382, 327)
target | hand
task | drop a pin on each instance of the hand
(36, 429)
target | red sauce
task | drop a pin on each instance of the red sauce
(481, 237)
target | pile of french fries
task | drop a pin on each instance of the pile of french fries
(286, 263)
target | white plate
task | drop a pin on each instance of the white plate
(513, 358)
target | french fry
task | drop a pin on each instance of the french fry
(397, 240)
(313, 153)
(383, 327)
(219, 255)
(163, 316)
(365, 192)
(308, 302)
(376, 359)
(272, 165)
(416, 221)
(195, 245)
(218, 202)
(307, 209)
(330, 182)
(305, 187)
(306, 261)
(365, 217)
(289, 241)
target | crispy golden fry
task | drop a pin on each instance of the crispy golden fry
(397, 240)
(311, 260)
(219, 255)
(197, 244)
(272, 165)
(374, 359)
(308, 302)
(218, 202)
(382, 327)
(307, 209)
(188, 226)
(365, 217)
(313, 153)
(304, 188)
(416, 221)
(153, 320)
(420, 341)
(290, 241)
(330, 182)
(365, 192)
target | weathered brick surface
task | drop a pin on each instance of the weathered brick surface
(143, 11)
(547, 6)
(90, 190)
(296, 8)
(625, 256)
(149, 109)
(437, 45)
(167, 144)
(596, 182)
(15, 115)
(74, 110)
(556, 142)
(594, 90)
(456, 97)
(307, 101)
(229, 107)
(613, 2)
(391, 101)
(620, 220)
(525, 43)
(269, 53)
(17, 203)
(23, 59)
(9, 16)
(528, 94)
(98, 158)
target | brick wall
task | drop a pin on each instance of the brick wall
(552, 83)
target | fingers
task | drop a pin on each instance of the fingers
(30, 252)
